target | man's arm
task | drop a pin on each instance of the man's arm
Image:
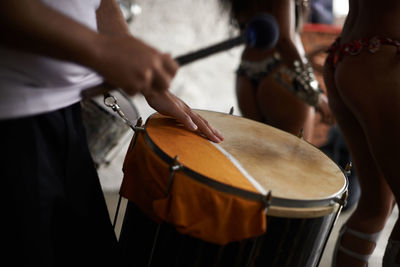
(110, 19)
(124, 61)
(32, 26)
(121, 59)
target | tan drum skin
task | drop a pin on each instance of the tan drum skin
(281, 162)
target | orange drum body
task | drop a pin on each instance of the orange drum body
(262, 197)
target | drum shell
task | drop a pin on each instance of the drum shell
(287, 242)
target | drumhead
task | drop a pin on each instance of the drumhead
(299, 175)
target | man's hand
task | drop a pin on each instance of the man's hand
(125, 61)
(129, 63)
(168, 104)
(134, 66)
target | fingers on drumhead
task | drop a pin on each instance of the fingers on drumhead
(206, 128)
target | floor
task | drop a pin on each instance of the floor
(173, 27)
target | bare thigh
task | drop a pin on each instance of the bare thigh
(375, 203)
(372, 93)
(282, 109)
(246, 96)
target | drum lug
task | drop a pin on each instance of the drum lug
(231, 111)
(138, 126)
(347, 169)
(267, 201)
(139, 122)
(343, 200)
(300, 135)
(175, 166)
(138, 129)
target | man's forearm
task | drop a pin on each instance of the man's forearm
(110, 19)
(32, 26)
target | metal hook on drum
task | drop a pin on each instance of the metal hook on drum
(111, 102)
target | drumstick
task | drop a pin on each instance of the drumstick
(261, 32)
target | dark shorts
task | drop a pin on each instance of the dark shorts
(52, 203)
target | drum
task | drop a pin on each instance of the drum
(104, 129)
(262, 197)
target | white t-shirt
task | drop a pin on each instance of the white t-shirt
(31, 84)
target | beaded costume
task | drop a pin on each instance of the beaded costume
(338, 51)
(298, 79)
